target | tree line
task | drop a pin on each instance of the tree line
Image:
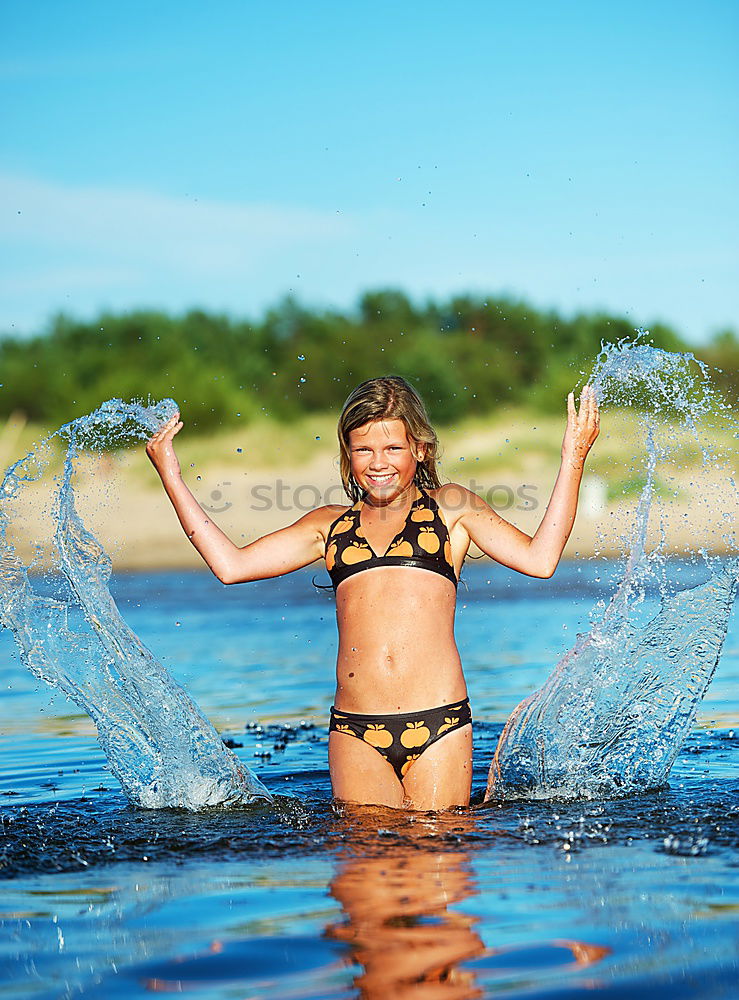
(467, 355)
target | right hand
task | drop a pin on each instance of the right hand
(160, 449)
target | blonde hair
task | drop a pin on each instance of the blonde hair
(389, 397)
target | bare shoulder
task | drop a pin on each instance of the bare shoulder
(318, 520)
(456, 500)
(324, 517)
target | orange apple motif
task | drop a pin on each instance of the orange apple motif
(449, 721)
(331, 556)
(404, 768)
(343, 728)
(343, 525)
(422, 514)
(355, 553)
(428, 540)
(415, 734)
(448, 552)
(401, 548)
(376, 735)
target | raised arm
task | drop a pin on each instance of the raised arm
(540, 555)
(279, 552)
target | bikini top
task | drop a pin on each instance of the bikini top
(422, 542)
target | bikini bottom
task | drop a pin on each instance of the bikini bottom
(401, 739)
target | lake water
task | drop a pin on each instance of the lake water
(303, 899)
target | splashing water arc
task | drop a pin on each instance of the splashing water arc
(614, 713)
(609, 721)
(159, 745)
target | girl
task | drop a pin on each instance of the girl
(400, 732)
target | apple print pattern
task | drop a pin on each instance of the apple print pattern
(423, 542)
(402, 739)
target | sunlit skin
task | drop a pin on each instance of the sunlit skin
(397, 922)
(404, 918)
(397, 651)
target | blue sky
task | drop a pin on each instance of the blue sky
(172, 155)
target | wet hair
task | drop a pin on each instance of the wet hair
(389, 397)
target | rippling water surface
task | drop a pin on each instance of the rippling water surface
(102, 899)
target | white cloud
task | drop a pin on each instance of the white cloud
(193, 235)
(88, 249)
(83, 249)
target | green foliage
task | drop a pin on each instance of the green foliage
(467, 356)
(722, 354)
(634, 485)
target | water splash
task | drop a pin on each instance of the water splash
(612, 716)
(160, 746)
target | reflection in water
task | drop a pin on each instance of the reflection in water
(398, 924)
(401, 931)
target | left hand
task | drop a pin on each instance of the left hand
(160, 449)
(582, 427)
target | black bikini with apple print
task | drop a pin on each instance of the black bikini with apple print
(423, 542)
(402, 738)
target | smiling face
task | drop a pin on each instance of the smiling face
(383, 459)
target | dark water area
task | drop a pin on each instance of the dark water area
(305, 898)
(685, 818)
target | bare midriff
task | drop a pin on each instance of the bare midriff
(397, 651)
